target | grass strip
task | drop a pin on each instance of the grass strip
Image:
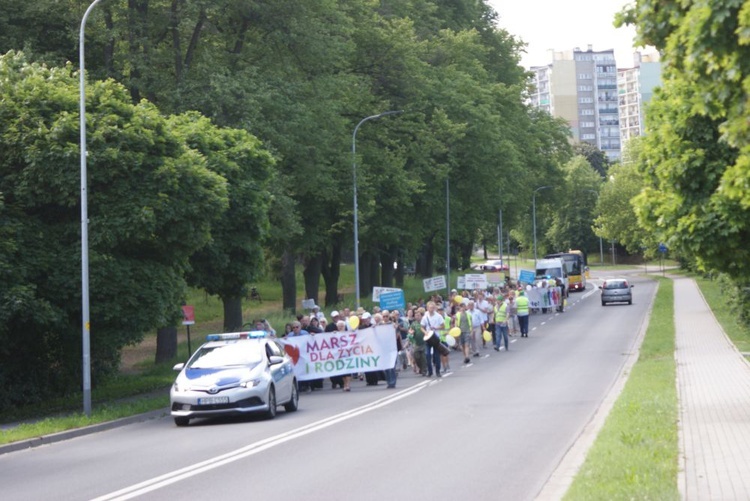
(635, 456)
(104, 413)
(715, 295)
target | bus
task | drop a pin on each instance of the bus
(575, 266)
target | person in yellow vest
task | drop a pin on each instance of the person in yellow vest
(522, 302)
(463, 321)
(501, 323)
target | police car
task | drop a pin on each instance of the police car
(231, 374)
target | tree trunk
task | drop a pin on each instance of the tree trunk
(331, 269)
(365, 281)
(288, 283)
(166, 344)
(425, 262)
(374, 270)
(312, 276)
(400, 270)
(387, 258)
(232, 313)
(465, 250)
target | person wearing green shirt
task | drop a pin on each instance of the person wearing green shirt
(417, 343)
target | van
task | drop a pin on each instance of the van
(552, 268)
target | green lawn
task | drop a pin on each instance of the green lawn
(635, 455)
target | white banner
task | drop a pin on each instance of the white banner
(317, 356)
(377, 291)
(434, 283)
(543, 297)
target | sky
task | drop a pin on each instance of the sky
(564, 25)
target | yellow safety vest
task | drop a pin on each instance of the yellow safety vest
(458, 319)
(501, 313)
(523, 305)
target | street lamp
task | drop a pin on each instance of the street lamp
(533, 204)
(86, 321)
(601, 245)
(354, 174)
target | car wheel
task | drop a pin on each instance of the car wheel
(181, 421)
(271, 412)
(604, 304)
(630, 301)
(292, 404)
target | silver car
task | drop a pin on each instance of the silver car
(234, 373)
(616, 290)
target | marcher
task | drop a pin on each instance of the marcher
(512, 314)
(417, 342)
(432, 322)
(477, 328)
(390, 374)
(522, 303)
(501, 324)
(462, 320)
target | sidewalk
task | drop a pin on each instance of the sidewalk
(713, 384)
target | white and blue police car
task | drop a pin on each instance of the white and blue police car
(234, 373)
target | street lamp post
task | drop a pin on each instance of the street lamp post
(448, 233)
(86, 320)
(354, 175)
(533, 204)
(601, 245)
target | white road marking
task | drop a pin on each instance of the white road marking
(190, 471)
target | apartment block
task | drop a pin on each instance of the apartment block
(581, 87)
(635, 86)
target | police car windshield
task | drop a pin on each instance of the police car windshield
(227, 355)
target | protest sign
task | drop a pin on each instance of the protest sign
(434, 283)
(526, 276)
(393, 300)
(377, 291)
(475, 281)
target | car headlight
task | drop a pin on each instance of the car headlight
(250, 383)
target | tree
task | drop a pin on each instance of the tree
(151, 204)
(574, 211)
(234, 255)
(617, 218)
(596, 157)
(696, 159)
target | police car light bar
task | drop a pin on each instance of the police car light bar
(236, 335)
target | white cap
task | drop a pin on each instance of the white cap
(365, 316)
(334, 313)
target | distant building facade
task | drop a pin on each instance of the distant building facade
(581, 87)
(635, 86)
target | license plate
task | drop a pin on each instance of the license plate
(213, 400)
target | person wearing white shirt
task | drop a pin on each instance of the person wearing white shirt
(432, 321)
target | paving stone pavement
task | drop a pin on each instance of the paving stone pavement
(713, 381)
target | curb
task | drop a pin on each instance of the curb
(79, 432)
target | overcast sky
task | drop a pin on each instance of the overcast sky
(566, 24)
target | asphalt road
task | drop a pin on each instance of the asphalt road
(494, 429)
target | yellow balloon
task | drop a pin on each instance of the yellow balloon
(458, 299)
(455, 332)
(487, 336)
(353, 322)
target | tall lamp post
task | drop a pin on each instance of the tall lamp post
(354, 174)
(533, 205)
(86, 320)
(601, 245)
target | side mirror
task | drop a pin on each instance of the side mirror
(275, 360)
(178, 367)
(601, 287)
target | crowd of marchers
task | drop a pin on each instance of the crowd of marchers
(426, 333)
